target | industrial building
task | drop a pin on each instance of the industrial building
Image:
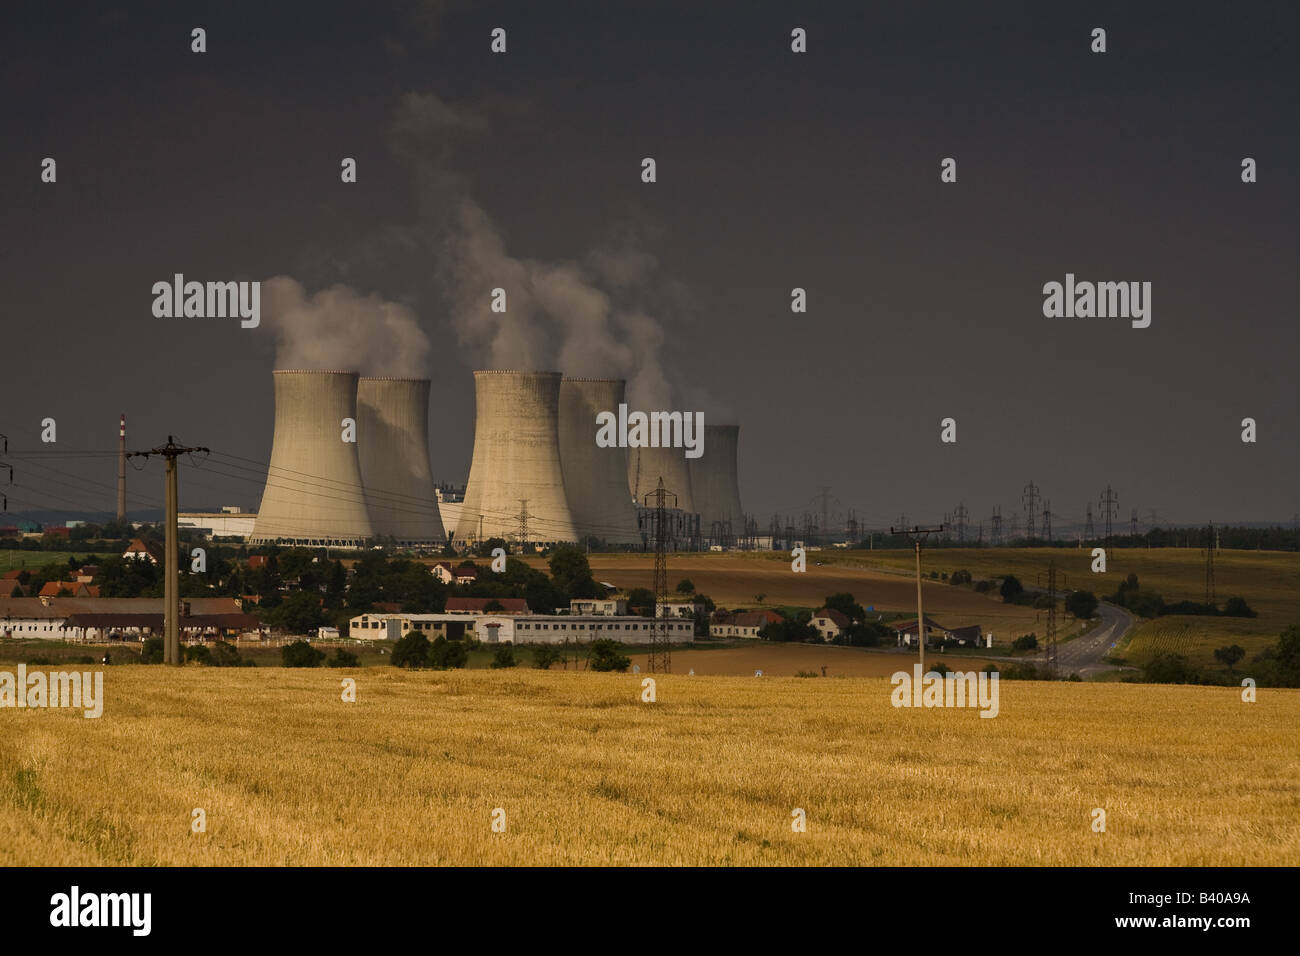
(393, 449)
(229, 522)
(516, 629)
(313, 493)
(516, 482)
(715, 483)
(595, 478)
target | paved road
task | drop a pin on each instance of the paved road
(1083, 655)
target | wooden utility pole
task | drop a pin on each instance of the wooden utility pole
(917, 532)
(171, 592)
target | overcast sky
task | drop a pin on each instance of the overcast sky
(775, 170)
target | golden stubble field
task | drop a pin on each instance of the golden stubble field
(587, 774)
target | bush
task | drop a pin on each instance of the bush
(961, 576)
(1026, 642)
(1082, 604)
(445, 654)
(1237, 607)
(685, 586)
(344, 658)
(938, 667)
(301, 654)
(198, 654)
(152, 651)
(1230, 655)
(412, 650)
(1166, 668)
(1011, 588)
(224, 654)
(41, 661)
(544, 655)
(1190, 607)
(504, 657)
(983, 587)
(605, 656)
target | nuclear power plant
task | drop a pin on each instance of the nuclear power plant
(516, 483)
(595, 478)
(393, 446)
(715, 482)
(350, 467)
(313, 490)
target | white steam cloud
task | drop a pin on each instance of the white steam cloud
(339, 328)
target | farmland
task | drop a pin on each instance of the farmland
(287, 773)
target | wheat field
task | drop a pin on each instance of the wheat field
(288, 773)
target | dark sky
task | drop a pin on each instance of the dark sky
(775, 170)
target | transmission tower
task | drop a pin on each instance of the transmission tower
(1053, 581)
(1110, 509)
(660, 645)
(1047, 520)
(523, 525)
(1133, 523)
(961, 515)
(1210, 597)
(1030, 498)
(851, 526)
(995, 530)
(1088, 532)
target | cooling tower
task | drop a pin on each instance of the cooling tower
(646, 466)
(595, 479)
(715, 480)
(313, 490)
(393, 445)
(516, 460)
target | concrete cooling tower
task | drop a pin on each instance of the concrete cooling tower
(715, 480)
(313, 490)
(595, 479)
(646, 466)
(393, 446)
(516, 462)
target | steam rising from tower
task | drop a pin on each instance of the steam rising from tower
(516, 464)
(313, 490)
(595, 478)
(393, 448)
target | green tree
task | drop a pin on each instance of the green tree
(152, 651)
(301, 654)
(544, 655)
(1230, 655)
(411, 650)
(504, 657)
(684, 586)
(1237, 607)
(445, 654)
(606, 656)
(299, 613)
(571, 572)
(843, 602)
(1011, 589)
(1082, 604)
(641, 601)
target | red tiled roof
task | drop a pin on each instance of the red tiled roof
(837, 617)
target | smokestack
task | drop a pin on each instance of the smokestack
(595, 479)
(647, 465)
(716, 483)
(516, 459)
(121, 469)
(393, 448)
(313, 493)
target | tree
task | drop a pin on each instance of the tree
(641, 601)
(1229, 655)
(1166, 668)
(504, 657)
(1287, 653)
(1082, 604)
(1011, 589)
(152, 651)
(17, 592)
(445, 654)
(684, 586)
(493, 607)
(1237, 607)
(846, 605)
(412, 650)
(301, 654)
(571, 572)
(198, 654)
(605, 656)
(300, 613)
(1026, 642)
(486, 548)
(961, 576)
(343, 658)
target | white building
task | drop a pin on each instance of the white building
(515, 629)
(607, 607)
(230, 522)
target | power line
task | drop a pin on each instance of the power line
(1030, 499)
(1110, 509)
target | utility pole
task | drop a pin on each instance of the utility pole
(660, 641)
(1088, 532)
(918, 533)
(1110, 503)
(995, 530)
(171, 600)
(121, 469)
(1047, 520)
(824, 495)
(1210, 596)
(523, 525)
(1133, 524)
(1030, 499)
(4, 499)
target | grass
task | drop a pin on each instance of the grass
(710, 774)
(12, 559)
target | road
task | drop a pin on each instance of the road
(1083, 655)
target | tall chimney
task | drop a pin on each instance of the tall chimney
(121, 469)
